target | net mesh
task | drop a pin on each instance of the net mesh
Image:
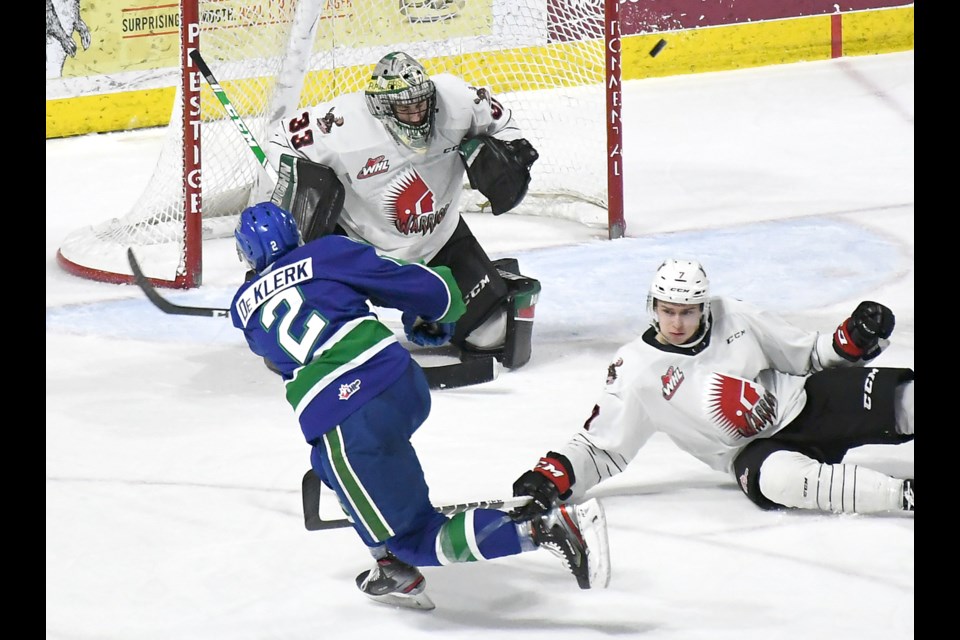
(543, 59)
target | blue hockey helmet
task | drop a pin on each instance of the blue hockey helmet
(264, 233)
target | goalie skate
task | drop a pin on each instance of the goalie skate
(395, 583)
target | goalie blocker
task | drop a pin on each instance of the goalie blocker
(312, 192)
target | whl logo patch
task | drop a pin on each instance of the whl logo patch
(670, 382)
(374, 167)
(347, 390)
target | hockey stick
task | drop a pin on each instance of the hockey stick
(448, 376)
(311, 487)
(234, 116)
(162, 303)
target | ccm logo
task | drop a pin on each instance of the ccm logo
(477, 288)
(736, 335)
(868, 389)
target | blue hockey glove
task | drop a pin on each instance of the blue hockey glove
(427, 334)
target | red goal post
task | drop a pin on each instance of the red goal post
(555, 63)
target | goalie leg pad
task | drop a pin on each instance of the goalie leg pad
(312, 192)
(481, 284)
(521, 303)
(518, 306)
(490, 288)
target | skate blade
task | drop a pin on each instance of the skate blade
(593, 528)
(419, 601)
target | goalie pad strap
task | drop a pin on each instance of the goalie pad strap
(499, 169)
(312, 192)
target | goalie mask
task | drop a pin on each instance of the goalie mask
(265, 233)
(404, 99)
(681, 282)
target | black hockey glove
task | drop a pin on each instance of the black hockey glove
(499, 169)
(864, 334)
(547, 483)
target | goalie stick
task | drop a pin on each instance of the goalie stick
(234, 116)
(311, 487)
(448, 376)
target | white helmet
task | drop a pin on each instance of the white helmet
(681, 282)
(399, 79)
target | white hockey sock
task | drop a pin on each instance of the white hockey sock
(794, 480)
(903, 408)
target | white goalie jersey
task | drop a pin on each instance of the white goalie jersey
(403, 202)
(747, 382)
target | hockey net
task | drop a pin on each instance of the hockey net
(555, 63)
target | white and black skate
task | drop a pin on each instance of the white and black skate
(578, 535)
(395, 583)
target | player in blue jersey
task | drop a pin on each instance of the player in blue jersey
(359, 397)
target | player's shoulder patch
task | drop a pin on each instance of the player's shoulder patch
(612, 370)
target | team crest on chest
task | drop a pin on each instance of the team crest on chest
(741, 408)
(411, 204)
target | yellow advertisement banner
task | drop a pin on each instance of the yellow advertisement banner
(365, 23)
(127, 35)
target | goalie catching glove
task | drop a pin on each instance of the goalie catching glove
(547, 483)
(864, 334)
(499, 169)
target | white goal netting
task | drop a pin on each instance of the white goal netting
(544, 59)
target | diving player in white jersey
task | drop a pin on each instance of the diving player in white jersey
(749, 394)
(402, 148)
